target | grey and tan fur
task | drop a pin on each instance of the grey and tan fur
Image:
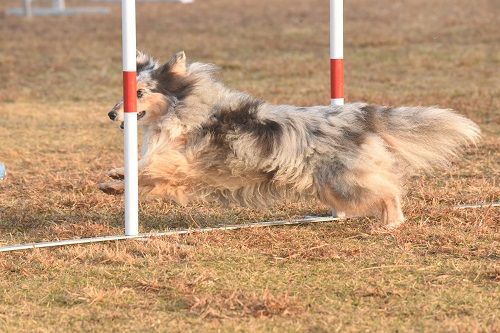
(203, 141)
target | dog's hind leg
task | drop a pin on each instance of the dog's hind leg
(395, 215)
(339, 214)
(346, 200)
(361, 192)
(391, 214)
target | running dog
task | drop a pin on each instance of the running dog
(204, 141)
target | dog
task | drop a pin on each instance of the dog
(204, 141)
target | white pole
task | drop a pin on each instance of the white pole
(337, 51)
(59, 5)
(28, 12)
(130, 115)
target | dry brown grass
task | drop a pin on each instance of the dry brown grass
(58, 78)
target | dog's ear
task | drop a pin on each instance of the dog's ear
(177, 63)
(175, 67)
(145, 62)
(173, 77)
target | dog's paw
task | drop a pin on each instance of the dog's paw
(117, 173)
(385, 229)
(114, 188)
(339, 214)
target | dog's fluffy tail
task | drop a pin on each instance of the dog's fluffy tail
(425, 137)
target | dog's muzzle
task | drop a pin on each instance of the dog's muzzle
(112, 115)
(122, 125)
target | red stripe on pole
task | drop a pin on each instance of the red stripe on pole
(337, 77)
(129, 92)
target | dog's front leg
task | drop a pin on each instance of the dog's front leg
(119, 173)
(114, 187)
(116, 173)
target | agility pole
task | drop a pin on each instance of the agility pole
(130, 118)
(337, 51)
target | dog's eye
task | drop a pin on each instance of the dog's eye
(140, 93)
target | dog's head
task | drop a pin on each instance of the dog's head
(159, 88)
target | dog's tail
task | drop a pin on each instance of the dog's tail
(423, 137)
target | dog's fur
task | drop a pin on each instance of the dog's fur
(202, 141)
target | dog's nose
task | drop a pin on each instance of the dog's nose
(112, 115)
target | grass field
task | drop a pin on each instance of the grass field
(60, 75)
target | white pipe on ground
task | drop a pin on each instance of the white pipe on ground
(166, 233)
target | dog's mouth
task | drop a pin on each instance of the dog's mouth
(139, 116)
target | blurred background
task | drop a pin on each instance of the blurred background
(413, 52)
